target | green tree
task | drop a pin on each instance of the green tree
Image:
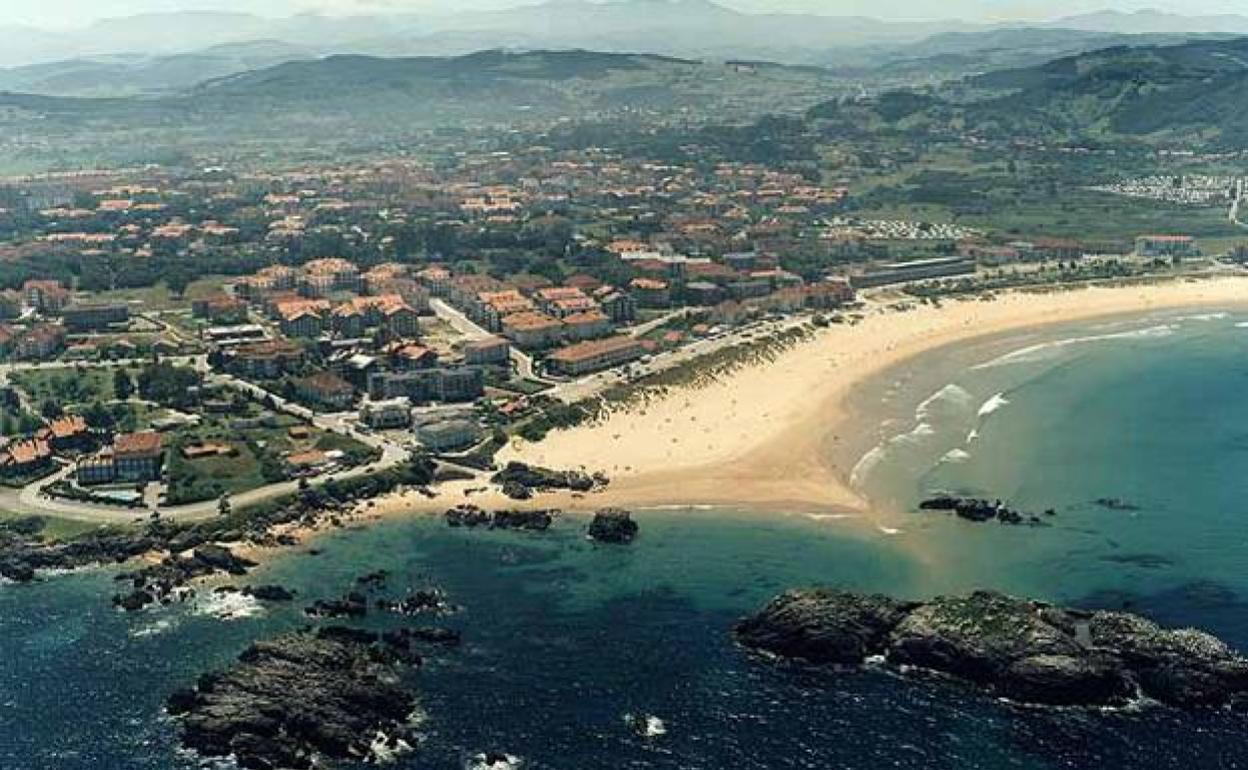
(123, 386)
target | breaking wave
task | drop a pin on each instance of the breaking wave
(1044, 351)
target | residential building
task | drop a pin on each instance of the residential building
(490, 351)
(447, 435)
(585, 357)
(137, 457)
(25, 456)
(650, 292)
(46, 296)
(386, 415)
(1166, 246)
(264, 360)
(94, 317)
(532, 330)
(220, 309)
(587, 326)
(40, 342)
(326, 389)
(449, 384)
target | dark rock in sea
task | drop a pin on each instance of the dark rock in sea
(17, 571)
(981, 510)
(468, 515)
(421, 601)
(1115, 504)
(133, 601)
(823, 626)
(292, 701)
(353, 605)
(373, 579)
(530, 520)
(347, 634)
(613, 525)
(426, 635)
(270, 593)
(1023, 650)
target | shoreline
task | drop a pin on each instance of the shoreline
(765, 437)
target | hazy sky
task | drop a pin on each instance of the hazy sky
(71, 13)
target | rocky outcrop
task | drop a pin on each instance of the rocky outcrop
(162, 582)
(419, 602)
(353, 605)
(468, 515)
(613, 525)
(1024, 650)
(981, 510)
(523, 479)
(288, 702)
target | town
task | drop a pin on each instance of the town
(185, 340)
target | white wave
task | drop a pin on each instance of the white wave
(384, 750)
(228, 606)
(497, 761)
(970, 437)
(154, 629)
(645, 725)
(868, 462)
(1242, 325)
(1045, 350)
(951, 394)
(887, 530)
(1204, 317)
(956, 456)
(993, 404)
(828, 516)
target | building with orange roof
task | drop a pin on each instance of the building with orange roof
(595, 355)
(532, 330)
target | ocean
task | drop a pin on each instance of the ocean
(564, 638)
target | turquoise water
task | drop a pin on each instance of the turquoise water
(563, 638)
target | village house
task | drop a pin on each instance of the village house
(447, 435)
(264, 360)
(588, 325)
(220, 308)
(25, 457)
(324, 276)
(94, 317)
(45, 296)
(650, 292)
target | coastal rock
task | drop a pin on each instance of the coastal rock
(292, 700)
(1024, 650)
(270, 593)
(421, 601)
(981, 510)
(468, 515)
(823, 626)
(613, 525)
(541, 479)
(353, 605)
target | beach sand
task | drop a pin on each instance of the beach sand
(762, 437)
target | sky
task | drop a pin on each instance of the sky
(77, 13)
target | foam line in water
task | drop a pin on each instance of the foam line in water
(993, 404)
(1044, 350)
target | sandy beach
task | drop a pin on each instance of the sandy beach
(760, 436)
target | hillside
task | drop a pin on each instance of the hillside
(368, 101)
(1191, 90)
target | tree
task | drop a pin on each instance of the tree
(99, 417)
(123, 386)
(51, 409)
(223, 505)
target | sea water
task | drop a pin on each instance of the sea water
(564, 639)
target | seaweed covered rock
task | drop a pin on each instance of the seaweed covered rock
(1024, 650)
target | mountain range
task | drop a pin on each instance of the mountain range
(134, 53)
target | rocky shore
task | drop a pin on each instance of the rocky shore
(468, 515)
(336, 693)
(1024, 650)
(519, 481)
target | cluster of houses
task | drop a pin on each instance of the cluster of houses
(123, 458)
